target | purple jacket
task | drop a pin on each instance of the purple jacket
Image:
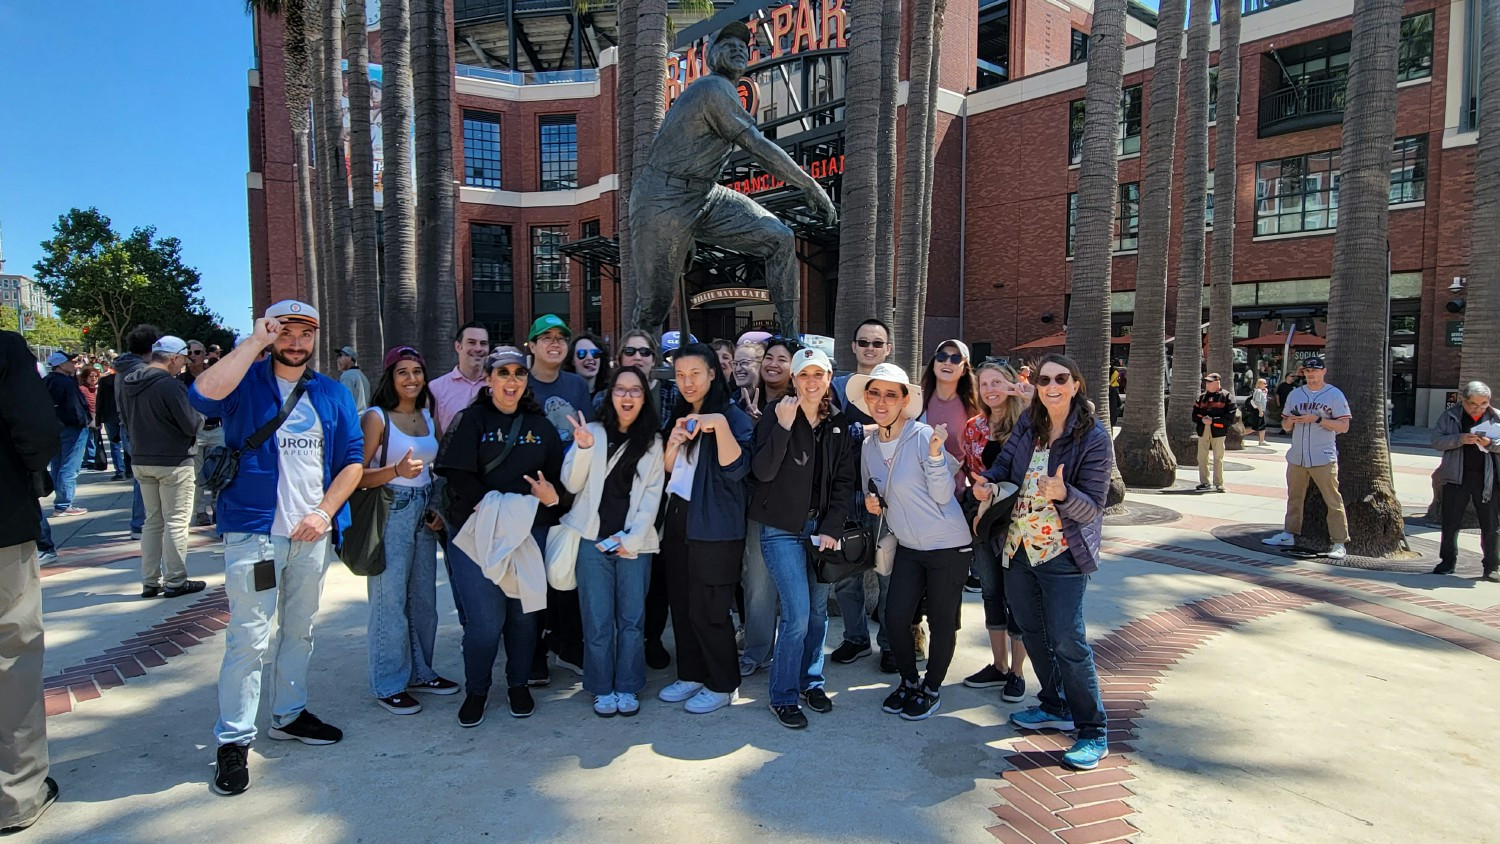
(1086, 471)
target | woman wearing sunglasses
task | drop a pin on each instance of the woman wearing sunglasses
(910, 476)
(588, 357)
(1060, 456)
(504, 421)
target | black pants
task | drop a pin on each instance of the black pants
(1456, 499)
(562, 624)
(701, 578)
(656, 604)
(940, 576)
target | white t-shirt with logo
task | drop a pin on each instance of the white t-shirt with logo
(299, 455)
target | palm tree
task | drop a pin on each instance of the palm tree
(1187, 353)
(1481, 350)
(1141, 449)
(399, 214)
(432, 86)
(859, 198)
(1226, 157)
(1360, 284)
(885, 213)
(367, 329)
(625, 74)
(340, 329)
(322, 184)
(916, 185)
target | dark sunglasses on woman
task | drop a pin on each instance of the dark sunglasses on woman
(588, 353)
(1043, 380)
(636, 350)
(943, 358)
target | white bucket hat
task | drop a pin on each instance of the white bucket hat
(854, 389)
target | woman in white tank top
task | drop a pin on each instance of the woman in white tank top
(400, 445)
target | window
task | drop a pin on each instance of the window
(1298, 194)
(1414, 57)
(1252, 6)
(993, 54)
(1130, 125)
(593, 297)
(1072, 221)
(559, 145)
(481, 150)
(1079, 51)
(1409, 170)
(1469, 111)
(490, 264)
(1208, 202)
(1127, 218)
(549, 271)
(1213, 94)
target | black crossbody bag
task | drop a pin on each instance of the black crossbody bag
(222, 463)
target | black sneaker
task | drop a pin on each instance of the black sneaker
(1204, 487)
(150, 591)
(849, 652)
(540, 674)
(521, 704)
(818, 701)
(657, 656)
(471, 714)
(232, 775)
(1444, 568)
(188, 587)
(52, 791)
(887, 662)
(895, 702)
(921, 704)
(438, 686)
(973, 585)
(790, 717)
(400, 703)
(308, 730)
(987, 677)
(1015, 689)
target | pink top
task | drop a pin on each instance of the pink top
(952, 412)
(453, 392)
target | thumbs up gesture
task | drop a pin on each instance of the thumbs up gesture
(409, 467)
(1053, 486)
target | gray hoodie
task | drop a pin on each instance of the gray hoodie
(163, 426)
(921, 508)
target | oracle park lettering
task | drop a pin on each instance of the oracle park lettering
(800, 27)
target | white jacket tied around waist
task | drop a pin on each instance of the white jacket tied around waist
(498, 538)
(583, 474)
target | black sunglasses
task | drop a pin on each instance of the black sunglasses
(589, 353)
(946, 358)
(636, 350)
(1061, 378)
(868, 344)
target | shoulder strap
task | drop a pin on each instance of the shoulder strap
(259, 438)
(510, 442)
(385, 438)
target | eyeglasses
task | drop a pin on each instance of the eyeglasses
(870, 344)
(1060, 379)
(744, 364)
(588, 353)
(517, 374)
(198, 353)
(942, 358)
(629, 392)
(643, 351)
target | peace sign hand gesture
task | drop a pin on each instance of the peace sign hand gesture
(582, 436)
(543, 490)
(1053, 486)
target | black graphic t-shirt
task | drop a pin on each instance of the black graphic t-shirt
(476, 439)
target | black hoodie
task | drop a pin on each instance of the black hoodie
(163, 426)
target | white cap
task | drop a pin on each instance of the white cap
(810, 357)
(169, 345)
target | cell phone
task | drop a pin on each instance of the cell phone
(264, 575)
(692, 426)
(609, 545)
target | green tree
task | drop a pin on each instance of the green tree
(48, 331)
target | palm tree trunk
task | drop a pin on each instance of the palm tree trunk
(1226, 157)
(399, 217)
(322, 184)
(298, 83)
(859, 196)
(929, 174)
(1481, 349)
(432, 87)
(650, 103)
(885, 214)
(1360, 284)
(910, 310)
(1187, 351)
(362, 178)
(625, 76)
(1141, 450)
(339, 283)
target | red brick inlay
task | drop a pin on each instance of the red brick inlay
(146, 650)
(1045, 802)
(73, 558)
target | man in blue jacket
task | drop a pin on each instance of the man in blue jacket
(280, 518)
(73, 413)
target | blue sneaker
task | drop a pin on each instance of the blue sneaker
(1086, 754)
(1036, 718)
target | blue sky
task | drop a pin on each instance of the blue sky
(139, 109)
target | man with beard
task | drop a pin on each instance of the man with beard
(301, 454)
(677, 199)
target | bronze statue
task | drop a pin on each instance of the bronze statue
(676, 198)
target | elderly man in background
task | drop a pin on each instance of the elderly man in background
(1468, 436)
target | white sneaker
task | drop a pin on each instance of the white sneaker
(679, 691)
(1337, 552)
(1280, 540)
(627, 703)
(606, 706)
(707, 701)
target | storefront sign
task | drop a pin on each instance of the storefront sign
(725, 294)
(1455, 332)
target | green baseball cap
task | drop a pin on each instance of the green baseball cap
(545, 323)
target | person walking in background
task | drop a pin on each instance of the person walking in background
(166, 426)
(1213, 413)
(1470, 470)
(1259, 404)
(615, 470)
(88, 384)
(1315, 414)
(73, 413)
(137, 349)
(1285, 388)
(1060, 457)
(30, 434)
(353, 379)
(400, 444)
(210, 436)
(278, 517)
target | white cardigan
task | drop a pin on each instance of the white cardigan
(583, 473)
(498, 538)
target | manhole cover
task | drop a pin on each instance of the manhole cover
(1248, 537)
(1138, 513)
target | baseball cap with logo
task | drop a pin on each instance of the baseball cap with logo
(169, 345)
(504, 356)
(545, 323)
(59, 358)
(806, 357)
(290, 310)
(1313, 363)
(671, 341)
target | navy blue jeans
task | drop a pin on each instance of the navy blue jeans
(850, 593)
(488, 613)
(1046, 602)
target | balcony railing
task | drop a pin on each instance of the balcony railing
(1309, 106)
(515, 77)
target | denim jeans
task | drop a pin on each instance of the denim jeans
(992, 586)
(65, 466)
(138, 505)
(403, 598)
(612, 598)
(804, 613)
(45, 544)
(1047, 601)
(292, 602)
(850, 593)
(489, 612)
(116, 447)
(760, 600)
